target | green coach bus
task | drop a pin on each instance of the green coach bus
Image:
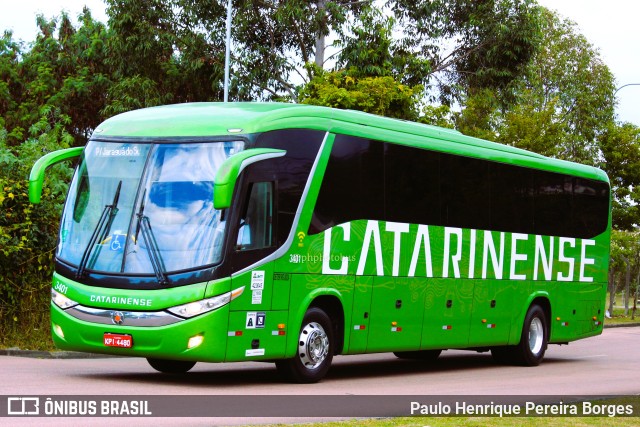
(291, 233)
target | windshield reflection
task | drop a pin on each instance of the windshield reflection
(172, 195)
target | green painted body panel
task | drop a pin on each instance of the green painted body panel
(488, 301)
(130, 299)
(398, 286)
(160, 342)
(397, 313)
(447, 313)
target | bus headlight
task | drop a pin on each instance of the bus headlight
(196, 308)
(61, 300)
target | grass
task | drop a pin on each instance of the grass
(30, 332)
(618, 317)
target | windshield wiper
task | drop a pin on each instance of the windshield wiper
(100, 232)
(153, 250)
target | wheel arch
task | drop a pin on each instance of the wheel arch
(329, 301)
(332, 305)
(541, 299)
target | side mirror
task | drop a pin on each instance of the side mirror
(227, 176)
(36, 178)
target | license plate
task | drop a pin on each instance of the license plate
(118, 340)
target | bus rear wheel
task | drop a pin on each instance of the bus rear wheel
(315, 349)
(171, 366)
(533, 341)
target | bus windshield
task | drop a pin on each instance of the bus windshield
(144, 208)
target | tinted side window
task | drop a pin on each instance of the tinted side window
(511, 198)
(553, 210)
(291, 171)
(590, 207)
(255, 228)
(353, 185)
(465, 192)
(412, 184)
(381, 181)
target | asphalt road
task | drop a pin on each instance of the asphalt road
(598, 366)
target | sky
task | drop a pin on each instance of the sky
(611, 26)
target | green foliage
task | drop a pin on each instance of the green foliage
(173, 48)
(624, 245)
(65, 72)
(564, 99)
(620, 147)
(377, 95)
(28, 232)
(440, 115)
(50, 97)
(470, 45)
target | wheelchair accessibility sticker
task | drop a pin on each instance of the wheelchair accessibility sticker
(117, 242)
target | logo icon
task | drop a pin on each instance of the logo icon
(117, 317)
(23, 406)
(301, 237)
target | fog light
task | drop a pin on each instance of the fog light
(58, 330)
(195, 341)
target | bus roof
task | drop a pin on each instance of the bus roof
(197, 120)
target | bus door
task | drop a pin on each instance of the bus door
(253, 322)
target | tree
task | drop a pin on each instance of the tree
(51, 93)
(625, 257)
(377, 95)
(470, 45)
(564, 99)
(179, 45)
(620, 146)
(367, 76)
(64, 72)
(164, 52)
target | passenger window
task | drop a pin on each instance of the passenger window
(255, 230)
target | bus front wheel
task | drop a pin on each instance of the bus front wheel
(171, 366)
(315, 349)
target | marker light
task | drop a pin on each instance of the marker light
(196, 308)
(195, 341)
(61, 300)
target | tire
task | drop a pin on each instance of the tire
(171, 366)
(315, 349)
(533, 341)
(426, 355)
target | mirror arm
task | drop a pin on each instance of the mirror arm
(225, 180)
(36, 178)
